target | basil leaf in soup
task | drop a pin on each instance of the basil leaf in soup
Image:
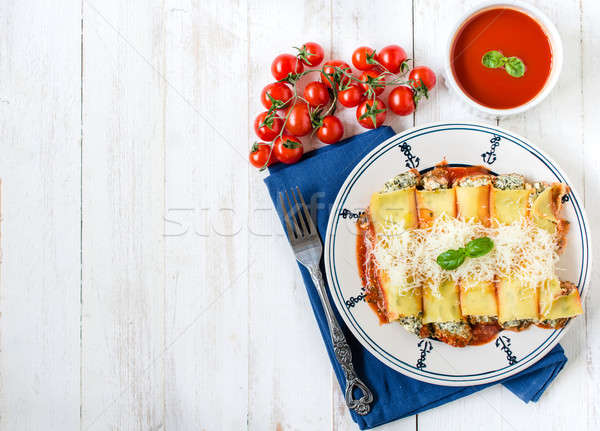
(514, 67)
(493, 59)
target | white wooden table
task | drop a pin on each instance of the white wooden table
(145, 283)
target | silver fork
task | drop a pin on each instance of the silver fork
(308, 249)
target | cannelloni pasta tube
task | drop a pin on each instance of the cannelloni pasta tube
(558, 301)
(394, 213)
(441, 303)
(477, 298)
(517, 298)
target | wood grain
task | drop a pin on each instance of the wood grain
(123, 268)
(40, 284)
(207, 264)
(590, 134)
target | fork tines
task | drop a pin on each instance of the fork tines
(297, 212)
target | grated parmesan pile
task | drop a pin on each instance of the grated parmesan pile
(521, 250)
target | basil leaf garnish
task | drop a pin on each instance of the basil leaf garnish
(451, 259)
(479, 247)
(492, 59)
(514, 67)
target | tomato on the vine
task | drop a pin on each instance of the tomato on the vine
(373, 80)
(351, 96)
(331, 130)
(392, 58)
(278, 93)
(299, 121)
(267, 127)
(285, 64)
(261, 155)
(364, 58)
(288, 149)
(311, 54)
(371, 115)
(331, 74)
(401, 100)
(316, 94)
(422, 75)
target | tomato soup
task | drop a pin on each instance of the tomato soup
(514, 34)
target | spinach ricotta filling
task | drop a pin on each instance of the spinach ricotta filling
(554, 323)
(518, 323)
(509, 182)
(462, 329)
(482, 319)
(412, 324)
(436, 179)
(474, 181)
(401, 181)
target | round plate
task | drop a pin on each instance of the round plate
(421, 148)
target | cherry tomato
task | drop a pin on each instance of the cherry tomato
(391, 57)
(298, 122)
(316, 94)
(261, 155)
(311, 54)
(401, 100)
(422, 75)
(269, 131)
(329, 70)
(361, 57)
(367, 110)
(351, 96)
(331, 130)
(279, 92)
(372, 79)
(284, 64)
(288, 149)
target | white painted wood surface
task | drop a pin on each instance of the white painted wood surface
(145, 283)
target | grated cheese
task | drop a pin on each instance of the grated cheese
(521, 250)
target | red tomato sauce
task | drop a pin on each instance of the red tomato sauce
(484, 333)
(368, 271)
(514, 34)
(458, 172)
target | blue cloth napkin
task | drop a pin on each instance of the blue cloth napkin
(321, 174)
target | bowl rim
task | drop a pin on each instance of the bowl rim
(555, 44)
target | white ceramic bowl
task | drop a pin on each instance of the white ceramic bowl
(555, 43)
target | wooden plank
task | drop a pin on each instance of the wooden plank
(40, 167)
(207, 263)
(358, 23)
(288, 368)
(122, 228)
(589, 96)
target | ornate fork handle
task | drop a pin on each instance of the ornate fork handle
(342, 352)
